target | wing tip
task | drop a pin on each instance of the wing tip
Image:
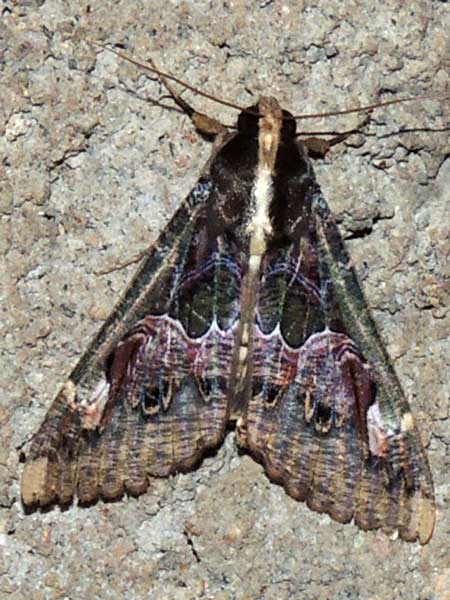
(426, 519)
(33, 483)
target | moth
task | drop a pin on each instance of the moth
(246, 310)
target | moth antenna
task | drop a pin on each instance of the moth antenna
(168, 76)
(152, 68)
(369, 107)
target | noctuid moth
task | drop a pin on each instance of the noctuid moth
(247, 309)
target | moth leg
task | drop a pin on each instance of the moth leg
(126, 263)
(319, 148)
(206, 126)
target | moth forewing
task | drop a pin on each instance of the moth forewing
(246, 308)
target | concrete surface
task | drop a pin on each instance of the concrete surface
(90, 171)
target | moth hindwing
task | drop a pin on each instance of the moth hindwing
(246, 309)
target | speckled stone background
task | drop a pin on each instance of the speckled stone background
(89, 173)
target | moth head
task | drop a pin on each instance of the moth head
(248, 122)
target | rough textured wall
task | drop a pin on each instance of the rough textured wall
(90, 172)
